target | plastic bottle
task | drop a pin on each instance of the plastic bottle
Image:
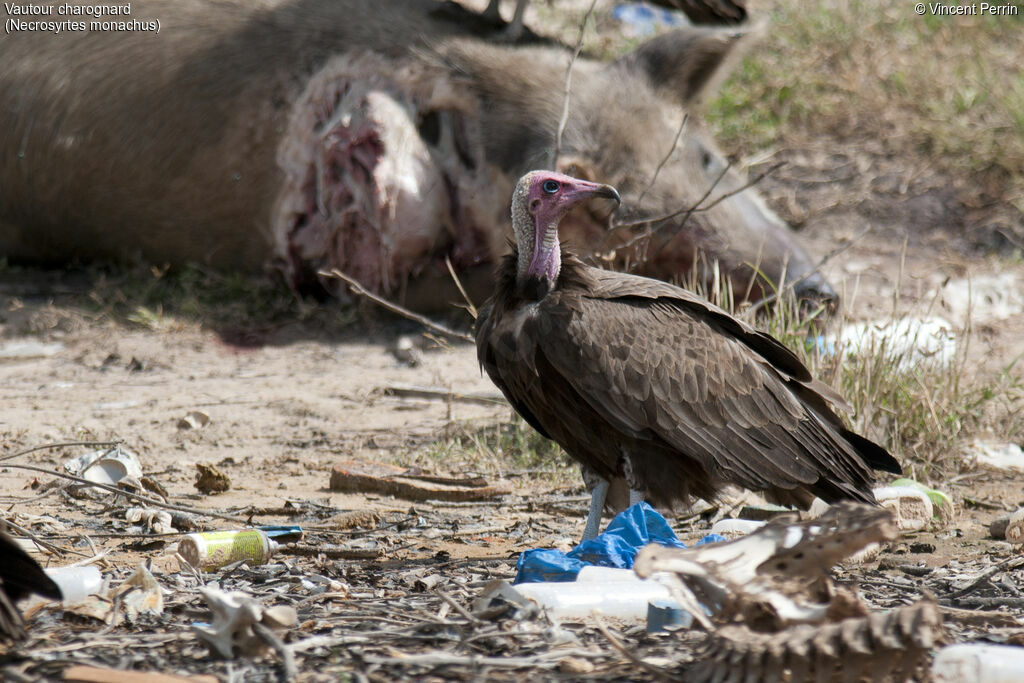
(215, 549)
(76, 583)
(979, 663)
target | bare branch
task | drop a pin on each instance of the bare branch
(458, 283)
(564, 119)
(92, 444)
(359, 290)
(129, 494)
(658, 672)
(673, 228)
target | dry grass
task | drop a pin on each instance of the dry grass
(925, 411)
(947, 91)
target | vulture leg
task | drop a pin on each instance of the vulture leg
(636, 493)
(598, 493)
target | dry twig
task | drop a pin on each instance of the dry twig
(564, 119)
(359, 290)
(128, 494)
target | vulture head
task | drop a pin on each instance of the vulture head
(540, 200)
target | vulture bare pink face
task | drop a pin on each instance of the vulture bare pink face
(549, 197)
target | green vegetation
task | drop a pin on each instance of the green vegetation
(496, 450)
(947, 91)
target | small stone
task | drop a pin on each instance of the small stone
(209, 479)
(922, 547)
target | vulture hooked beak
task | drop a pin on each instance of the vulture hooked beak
(595, 190)
(586, 190)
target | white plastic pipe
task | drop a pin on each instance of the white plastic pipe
(619, 598)
(979, 663)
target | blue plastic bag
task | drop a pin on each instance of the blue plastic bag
(628, 532)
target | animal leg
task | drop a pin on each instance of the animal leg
(636, 492)
(598, 487)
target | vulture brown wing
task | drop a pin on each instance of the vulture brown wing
(664, 365)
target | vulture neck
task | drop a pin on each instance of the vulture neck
(539, 263)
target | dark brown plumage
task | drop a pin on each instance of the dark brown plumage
(20, 577)
(642, 380)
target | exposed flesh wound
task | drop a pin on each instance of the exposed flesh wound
(364, 192)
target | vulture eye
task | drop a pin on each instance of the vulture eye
(550, 187)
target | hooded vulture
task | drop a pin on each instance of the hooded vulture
(656, 392)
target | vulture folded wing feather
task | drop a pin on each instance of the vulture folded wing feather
(611, 285)
(702, 425)
(737, 414)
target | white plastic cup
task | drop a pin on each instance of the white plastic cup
(979, 663)
(76, 583)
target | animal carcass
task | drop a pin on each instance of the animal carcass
(377, 138)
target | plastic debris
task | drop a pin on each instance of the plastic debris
(627, 533)
(1007, 456)
(29, 348)
(639, 19)
(235, 614)
(979, 663)
(666, 614)
(908, 342)
(107, 466)
(76, 583)
(912, 507)
(406, 351)
(215, 549)
(983, 298)
(943, 509)
(579, 599)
